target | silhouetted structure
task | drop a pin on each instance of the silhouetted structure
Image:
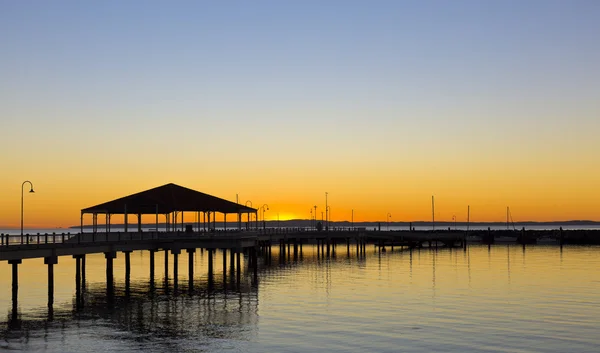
(171, 201)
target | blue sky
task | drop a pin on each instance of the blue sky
(305, 83)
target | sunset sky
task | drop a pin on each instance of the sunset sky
(382, 104)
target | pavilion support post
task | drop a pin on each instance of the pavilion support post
(80, 230)
(139, 217)
(191, 269)
(225, 222)
(51, 261)
(125, 218)
(156, 220)
(182, 222)
(215, 221)
(209, 225)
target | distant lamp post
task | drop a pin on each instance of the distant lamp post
(315, 217)
(389, 215)
(326, 214)
(31, 192)
(454, 219)
(246, 204)
(328, 211)
(264, 208)
(311, 218)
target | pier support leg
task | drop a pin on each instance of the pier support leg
(210, 268)
(15, 287)
(224, 267)
(231, 263)
(191, 269)
(152, 269)
(166, 270)
(51, 261)
(15, 282)
(77, 281)
(82, 273)
(239, 268)
(127, 271)
(175, 253)
(255, 263)
(109, 274)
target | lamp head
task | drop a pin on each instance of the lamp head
(31, 191)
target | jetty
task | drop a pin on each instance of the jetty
(173, 202)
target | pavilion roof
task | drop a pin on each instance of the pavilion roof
(166, 199)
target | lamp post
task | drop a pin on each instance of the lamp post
(454, 219)
(352, 219)
(328, 211)
(326, 214)
(311, 218)
(389, 215)
(246, 204)
(30, 191)
(315, 217)
(265, 208)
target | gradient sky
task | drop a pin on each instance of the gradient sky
(380, 103)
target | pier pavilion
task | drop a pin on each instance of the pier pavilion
(171, 201)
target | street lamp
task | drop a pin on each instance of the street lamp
(246, 204)
(389, 215)
(315, 217)
(454, 219)
(326, 214)
(311, 218)
(328, 211)
(30, 191)
(264, 207)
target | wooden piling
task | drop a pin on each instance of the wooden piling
(51, 261)
(210, 267)
(191, 269)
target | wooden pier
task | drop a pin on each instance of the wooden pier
(253, 244)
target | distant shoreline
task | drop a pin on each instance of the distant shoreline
(308, 223)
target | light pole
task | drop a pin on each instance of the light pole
(389, 215)
(454, 219)
(265, 208)
(311, 218)
(326, 209)
(352, 219)
(315, 217)
(246, 204)
(30, 191)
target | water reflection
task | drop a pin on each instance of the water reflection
(146, 313)
(429, 298)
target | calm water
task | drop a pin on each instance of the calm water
(497, 299)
